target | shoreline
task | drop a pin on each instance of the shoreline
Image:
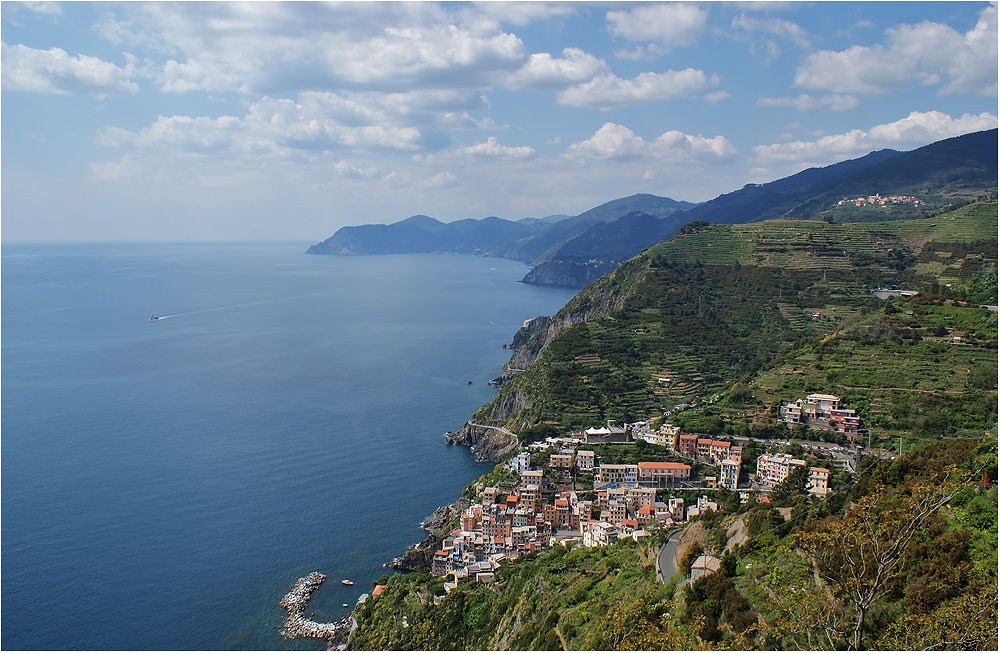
(297, 625)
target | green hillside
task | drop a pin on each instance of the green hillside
(719, 326)
(939, 591)
(786, 307)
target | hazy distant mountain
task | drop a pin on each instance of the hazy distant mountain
(573, 251)
(940, 174)
(525, 240)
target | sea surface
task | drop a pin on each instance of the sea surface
(165, 482)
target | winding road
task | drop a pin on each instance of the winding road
(666, 559)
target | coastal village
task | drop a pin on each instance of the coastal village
(880, 200)
(559, 492)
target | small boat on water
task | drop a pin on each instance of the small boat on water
(347, 582)
(154, 318)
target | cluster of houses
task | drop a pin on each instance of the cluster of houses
(822, 412)
(542, 508)
(879, 200)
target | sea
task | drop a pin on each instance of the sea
(164, 482)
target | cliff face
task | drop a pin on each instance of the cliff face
(567, 274)
(488, 443)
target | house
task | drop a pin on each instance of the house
(704, 565)
(533, 477)
(561, 461)
(654, 474)
(819, 481)
(687, 445)
(666, 436)
(607, 434)
(621, 474)
(729, 474)
(584, 460)
(520, 463)
(700, 507)
(440, 562)
(599, 533)
(773, 468)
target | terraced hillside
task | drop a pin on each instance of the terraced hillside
(762, 302)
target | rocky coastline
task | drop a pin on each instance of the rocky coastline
(488, 443)
(438, 526)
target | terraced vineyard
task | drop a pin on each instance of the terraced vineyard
(785, 306)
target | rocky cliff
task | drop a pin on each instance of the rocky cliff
(488, 443)
(438, 526)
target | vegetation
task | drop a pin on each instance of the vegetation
(784, 309)
(717, 327)
(906, 558)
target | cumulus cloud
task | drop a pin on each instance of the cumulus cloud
(778, 27)
(614, 141)
(542, 70)
(345, 169)
(55, 71)
(440, 180)
(806, 102)
(317, 122)
(608, 91)
(927, 53)
(492, 148)
(278, 48)
(664, 25)
(915, 130)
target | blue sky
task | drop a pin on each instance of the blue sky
(285, 121)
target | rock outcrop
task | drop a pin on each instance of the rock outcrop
(438, 526)
(488, 443)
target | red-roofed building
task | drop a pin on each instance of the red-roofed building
(687, 445)
(653, 474)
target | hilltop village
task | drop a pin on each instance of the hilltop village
(563, 492)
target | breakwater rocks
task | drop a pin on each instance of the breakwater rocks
(298, 625)
(488, 443)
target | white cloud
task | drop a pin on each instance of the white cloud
(440, 180)
(806, 102)
(345, 169)
(614, 141)
(927, 53)
(54, 71)
(774, 26)
(666, 25)
(277, 48)
(542, 70)
(915, 130)
(607, 91)
(316, 123)
(494, 149)
(46, 8)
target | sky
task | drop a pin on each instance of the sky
(137, 121)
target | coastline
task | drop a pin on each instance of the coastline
(487, 443)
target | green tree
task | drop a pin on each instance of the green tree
(862, 553)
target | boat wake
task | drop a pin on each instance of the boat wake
(229, 307)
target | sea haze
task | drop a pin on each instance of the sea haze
(165, 482)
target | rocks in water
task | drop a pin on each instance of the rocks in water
(297, 625)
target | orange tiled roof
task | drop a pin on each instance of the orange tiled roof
(652, 465)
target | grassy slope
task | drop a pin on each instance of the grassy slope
(772, 289)
(885, 361)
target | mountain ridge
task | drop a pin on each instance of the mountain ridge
(574, 251)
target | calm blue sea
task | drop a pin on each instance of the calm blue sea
(164, 483)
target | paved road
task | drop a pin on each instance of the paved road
(666, 560)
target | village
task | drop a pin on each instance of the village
(559, 492)
(880, 200)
